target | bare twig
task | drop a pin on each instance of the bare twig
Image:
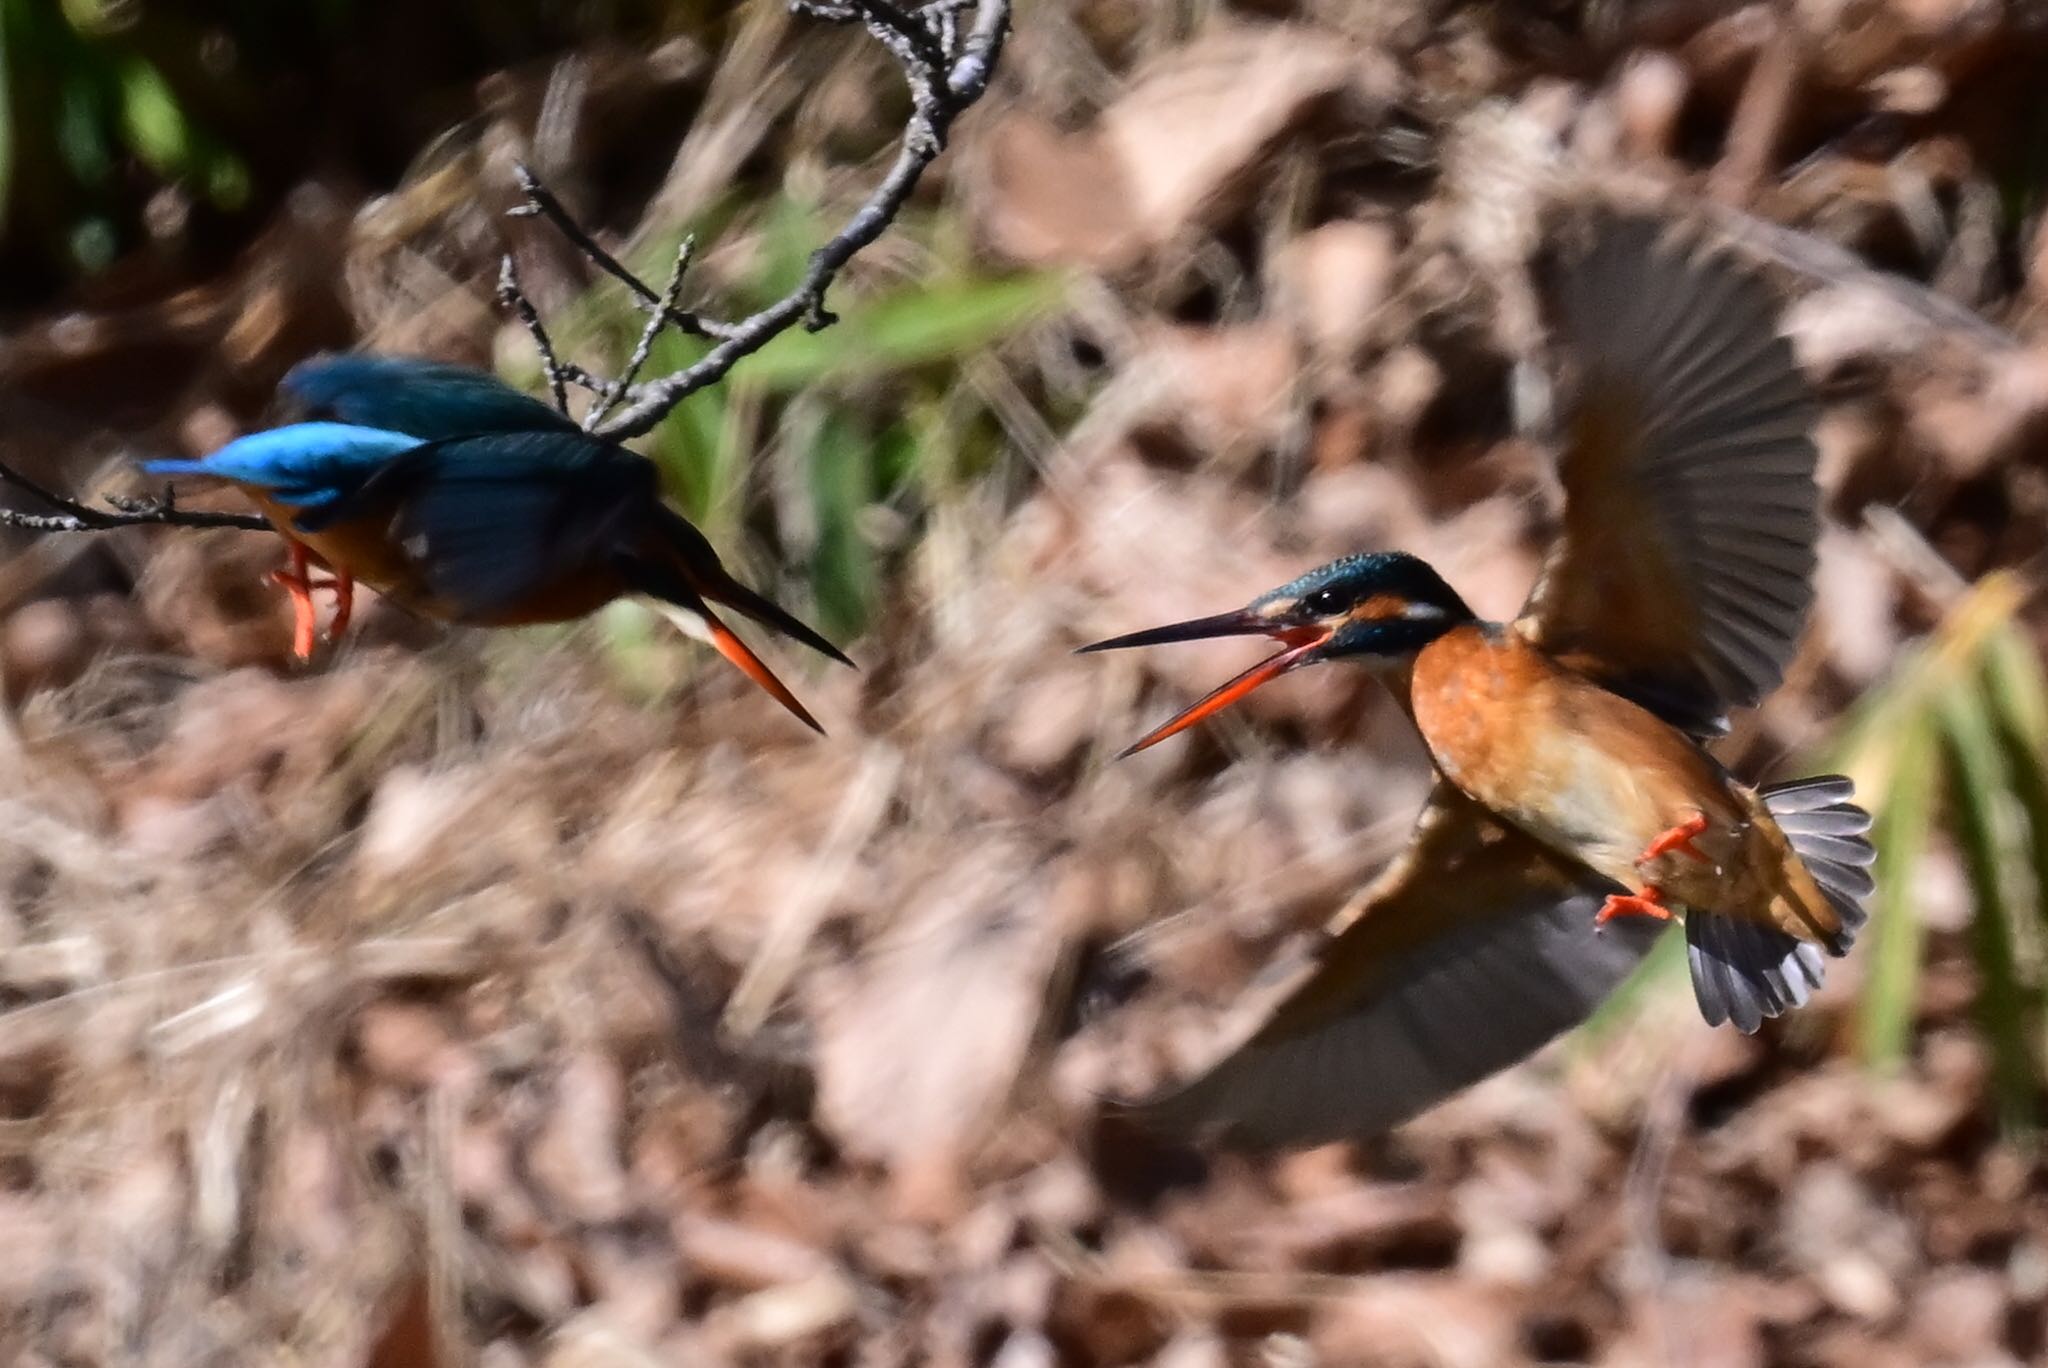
(656, 316)
(71, 516)
(541, 203)
(514, 298)
(947, 72)
(910, 37)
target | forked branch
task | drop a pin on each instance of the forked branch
(946, 60)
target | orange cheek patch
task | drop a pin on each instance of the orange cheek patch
(1378, 608)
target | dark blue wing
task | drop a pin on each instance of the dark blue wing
(306, 465)
(491, 520)
(428, 399)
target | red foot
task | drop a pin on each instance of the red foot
(304, 620)
(305, 617)
(1648, 903)
(1679, 838)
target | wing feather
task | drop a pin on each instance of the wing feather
(1468, 954)
(1682, 576)
(491, 520)
(499, 518)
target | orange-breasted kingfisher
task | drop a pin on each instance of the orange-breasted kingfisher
(463, 500)
(1572, 782)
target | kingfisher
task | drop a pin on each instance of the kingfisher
(1573, 787)
(464, 500)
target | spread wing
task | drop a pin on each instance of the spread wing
(1471, 951)
(1681, 578)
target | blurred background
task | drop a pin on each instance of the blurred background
(550, 998)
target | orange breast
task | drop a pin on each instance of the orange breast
(1597, 778)
(362, 548)
(1585, 771)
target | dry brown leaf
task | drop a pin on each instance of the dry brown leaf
(1172, 150)
(577, 1159)
(914, 1058)
(1418, 1319)
(1225, 389)
(1057, 198)
(743, 1256)
(1195, 121)
(1333, 280)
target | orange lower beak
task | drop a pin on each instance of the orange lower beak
(700, 623)
(751, 665)
(1302, 645)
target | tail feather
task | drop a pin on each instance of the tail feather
(1743, 972)
(1829, 833)
(1844, 819)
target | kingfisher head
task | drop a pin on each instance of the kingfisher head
(1379, 609)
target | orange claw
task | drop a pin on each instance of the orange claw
(1679, 837)
(297, 582)
(1648, 903)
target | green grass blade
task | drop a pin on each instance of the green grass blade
(844, 573)
(2019, 687)
(905, 329)
(2019, 696)
(1905, 809)
(1984, 803)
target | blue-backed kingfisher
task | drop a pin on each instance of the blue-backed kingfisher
(1573, 784)
(461, 499)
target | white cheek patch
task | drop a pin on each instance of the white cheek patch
(690, 624)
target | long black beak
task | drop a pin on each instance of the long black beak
(1243, 622)
(1303, 644)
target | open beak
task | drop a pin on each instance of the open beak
(1302, 645)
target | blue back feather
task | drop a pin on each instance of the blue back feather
(428, 399)
(307, 465)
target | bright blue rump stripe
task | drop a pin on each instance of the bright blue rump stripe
(306, 465)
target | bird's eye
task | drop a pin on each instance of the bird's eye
(1323, 601)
